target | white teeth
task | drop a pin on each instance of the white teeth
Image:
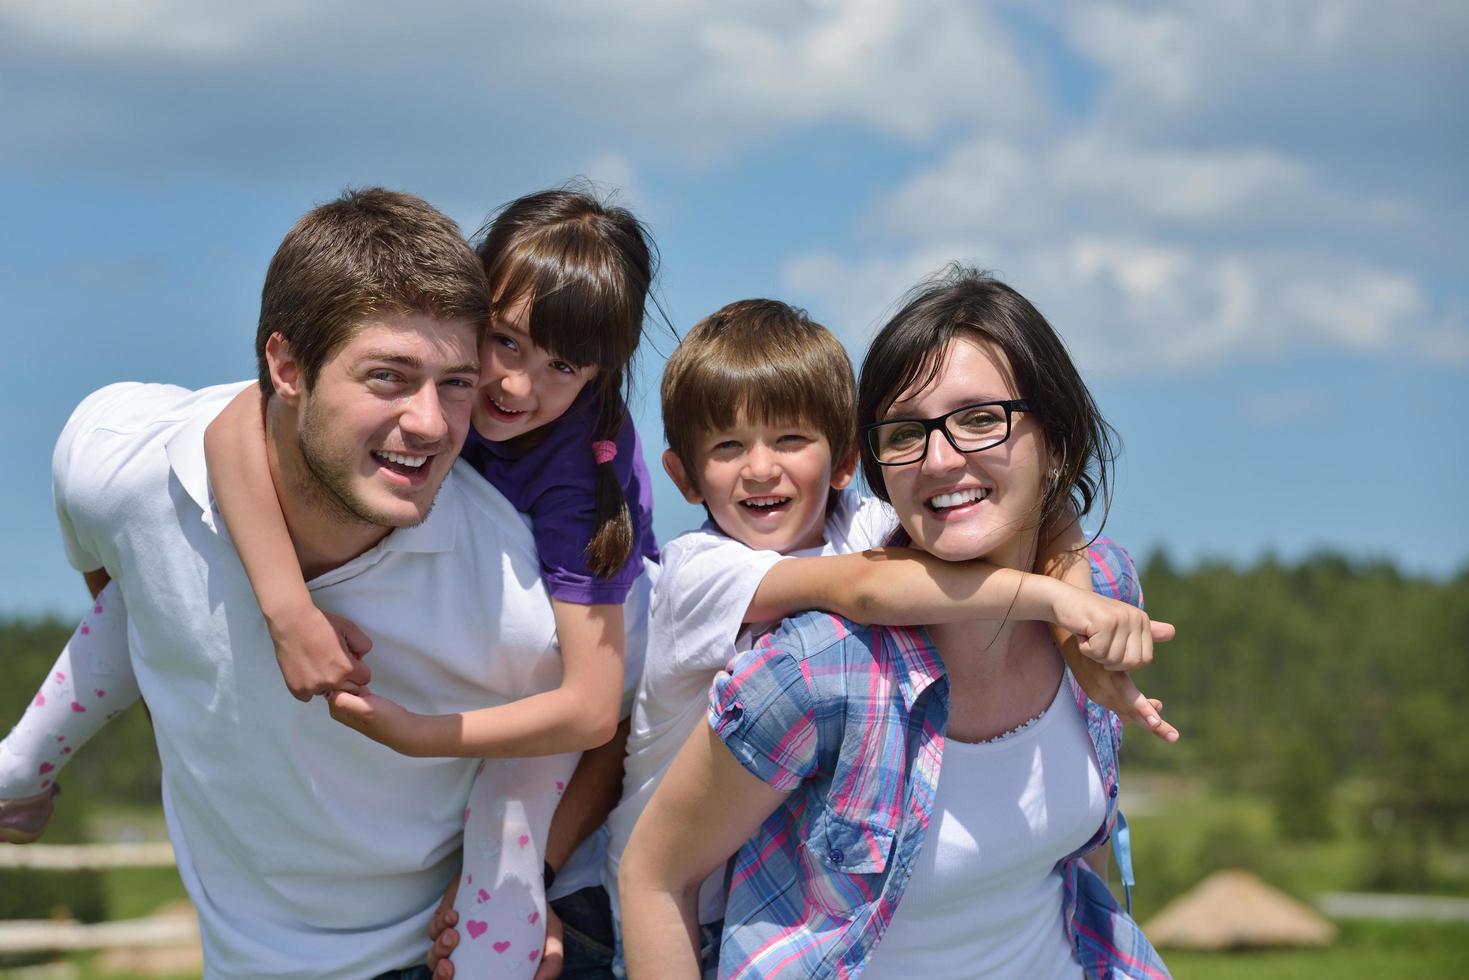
(761, 503)
(507, 411)
(958, 497)
(402, 459)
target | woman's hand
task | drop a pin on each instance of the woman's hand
(380, 719)
(319, 652)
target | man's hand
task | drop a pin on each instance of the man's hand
(1115, 634)
(319, 652)
(443, 935)
(1115, 691)
(445, 938)
(379, 718)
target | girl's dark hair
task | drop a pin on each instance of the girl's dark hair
(585, 268)
(961, 301)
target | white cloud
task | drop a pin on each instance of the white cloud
(695, 76)
(1134, 306)
(1192, 60)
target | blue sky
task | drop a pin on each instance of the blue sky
(1250, 220)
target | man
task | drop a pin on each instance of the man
(310, 851)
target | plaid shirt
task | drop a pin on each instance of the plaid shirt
(854, 717)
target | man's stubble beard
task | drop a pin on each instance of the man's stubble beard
(325, 483)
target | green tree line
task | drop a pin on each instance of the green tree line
(1290, 680)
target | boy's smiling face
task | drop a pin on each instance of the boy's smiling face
(765, 484)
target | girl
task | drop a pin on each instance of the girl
(569, 278)
(919, 798)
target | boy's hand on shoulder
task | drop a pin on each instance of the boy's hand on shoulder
(1114, 634)
(379, 718)
(1115, 691)
(319, 652)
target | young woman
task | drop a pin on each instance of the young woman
(915, 801)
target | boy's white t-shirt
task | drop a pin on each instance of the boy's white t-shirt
(696, 628)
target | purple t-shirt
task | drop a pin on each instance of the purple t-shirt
(554, 483)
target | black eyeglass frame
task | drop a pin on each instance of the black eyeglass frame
(939, 423)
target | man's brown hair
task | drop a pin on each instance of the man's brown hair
(371, 252)
(766, 361)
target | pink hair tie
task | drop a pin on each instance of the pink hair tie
(604, 451)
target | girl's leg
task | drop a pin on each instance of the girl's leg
(502, 901)
(91, 682)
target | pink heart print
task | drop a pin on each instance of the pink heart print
(60, 677)
(86, 629)
(40, 700)
(476, 928)
(523, 839)
(66, 751)
(533, 955)
(560, 786)
(76, 707)
(501, 946)
(97, 608)
(533, 918)
(45, 768)
(99, 692)
(483, 896)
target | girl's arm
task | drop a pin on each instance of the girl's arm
(580, 714)
(909, 587)
(315, 654)
(89, 684)
(705, 808)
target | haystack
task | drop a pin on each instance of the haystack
(1231, 909)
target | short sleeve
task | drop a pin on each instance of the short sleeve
(1113, 573)
(703, 594)
(761, 708)
(69, 472)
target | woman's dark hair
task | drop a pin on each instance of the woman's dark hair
(585, 267)
(961, 301)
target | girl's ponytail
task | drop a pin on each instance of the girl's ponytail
(611, 544)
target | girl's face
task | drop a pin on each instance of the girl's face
(958, 506)
(521, 386)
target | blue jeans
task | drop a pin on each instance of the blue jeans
(419, 972)
(586, 923)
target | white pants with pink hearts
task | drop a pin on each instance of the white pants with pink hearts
(90, 684)
(502, 900)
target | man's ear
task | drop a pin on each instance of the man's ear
(673, 466)
(285, 372)
(842, 473)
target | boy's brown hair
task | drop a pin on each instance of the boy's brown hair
(369, 252)
(764, 360)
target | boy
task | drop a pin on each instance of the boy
(758, 409)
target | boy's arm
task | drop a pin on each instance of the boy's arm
(909, 587)
(315, 654)
(580, 714)
(1065, 558)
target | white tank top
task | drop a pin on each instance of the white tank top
(985, 898)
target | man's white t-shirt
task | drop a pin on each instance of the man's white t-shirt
(696, 628)
(308, 850)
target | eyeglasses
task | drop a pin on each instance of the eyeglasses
(969, 429)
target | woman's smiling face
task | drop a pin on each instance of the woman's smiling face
(984, 504)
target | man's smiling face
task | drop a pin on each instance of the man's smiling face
(387, 415)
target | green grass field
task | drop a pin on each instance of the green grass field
(1180, 835)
